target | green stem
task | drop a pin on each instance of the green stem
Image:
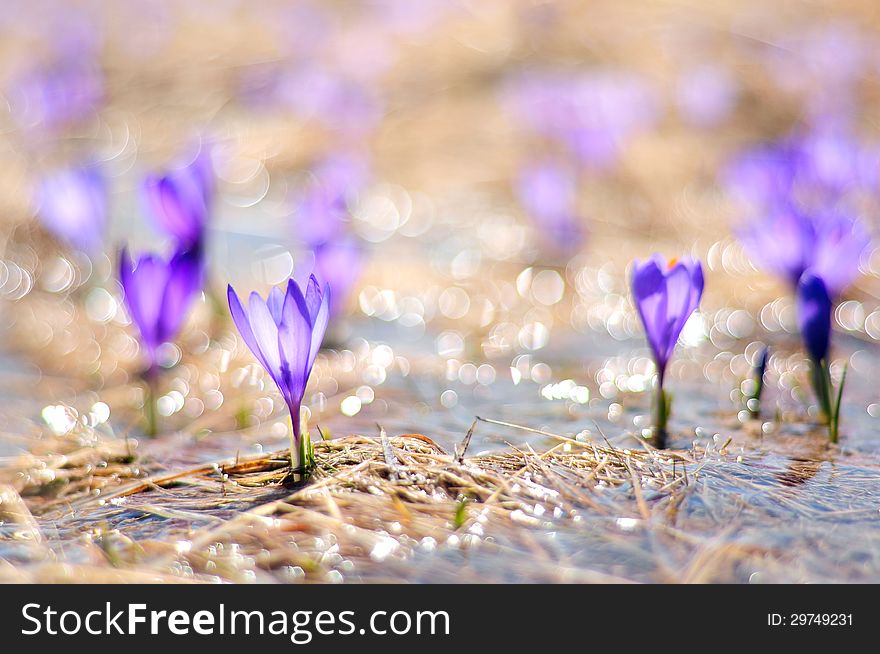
(834, 426)
(821, 379)
(755, 408)
(151, 377)
(302, 454)
(661, 415)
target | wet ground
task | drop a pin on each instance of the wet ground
(767, 501)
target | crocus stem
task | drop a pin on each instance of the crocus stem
(661, 415)
(821, 378)
(295, 438)
(302, 458)
(754, 402)
(834, 425)
(151, 377)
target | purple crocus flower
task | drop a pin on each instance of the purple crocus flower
(788, 241)
(285, 332)
(72, 205)
(321, 209)
(814, 307)
(665, 295)
(338, 265)
(180, 200)
(548, 192)
(158, 294)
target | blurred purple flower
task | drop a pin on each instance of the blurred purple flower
(814, 307)
(180, 200)
(72, 205)
(338, 265)
(593, 114)
(337, 101)
(321, 210)
(67, 87)
(761, 175)
(548, 192)
(665, 295)
(816, 167)
(319, 214)
(57, 96)
(782, 243)
(706, 95)
(840, 243)
(158, 294)
(786, 242)
(822, 65)
(285, 333)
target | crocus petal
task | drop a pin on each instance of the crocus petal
(276, 304)
(294, 297)
(266, 333)
(294, 338)
(144, 284)
(184, 282)
(679, 294)
(129, 288)
(319, 328)
(814, 315)
(313, 298)
(243, 323)
(648, 285)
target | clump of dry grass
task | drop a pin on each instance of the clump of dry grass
(373, 507)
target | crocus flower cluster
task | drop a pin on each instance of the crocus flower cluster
(285, 332)
(548, 192)
(72, 205)
(665, 295)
